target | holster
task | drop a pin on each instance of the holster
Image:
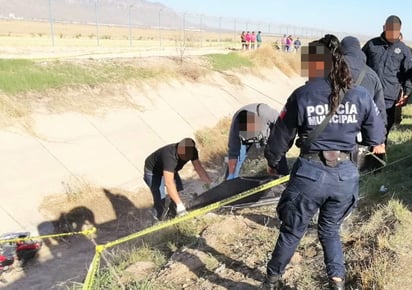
(329, 158)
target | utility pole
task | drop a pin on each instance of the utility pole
(160, 30)
(97, 23)
(51, 22)
(130, 25)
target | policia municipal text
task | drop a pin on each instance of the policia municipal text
(323, 177)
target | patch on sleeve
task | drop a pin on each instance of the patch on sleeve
(282, 114)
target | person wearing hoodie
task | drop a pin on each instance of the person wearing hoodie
(356, 60)
(250, 127)
(390, 58)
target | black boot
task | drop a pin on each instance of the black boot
(272, 282)
(336, 285)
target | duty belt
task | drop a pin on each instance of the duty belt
(329, 158)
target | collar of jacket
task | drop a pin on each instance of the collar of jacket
(387, 42)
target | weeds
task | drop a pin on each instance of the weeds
(76, 189)
(224, 62)
(212, 142)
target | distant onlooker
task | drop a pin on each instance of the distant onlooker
(252, 40)
(297, 44)
(248, 38)
(289, 42)
(259, 38)
(243, 40)
(283, 42)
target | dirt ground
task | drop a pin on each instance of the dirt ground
(230, 253)
(227, 255)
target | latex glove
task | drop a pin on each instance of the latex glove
(180, 209)
(230, 176)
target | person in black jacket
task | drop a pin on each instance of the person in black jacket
(390, 58)
(356, 60)
(323, 177)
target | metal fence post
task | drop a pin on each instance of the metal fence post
(130, 26)
(97, 23)
(51, 22)
(160, 31)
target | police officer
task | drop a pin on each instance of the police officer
(356, 60)
(323, 177)
(161, 169)
(250, 127)
(390, 58)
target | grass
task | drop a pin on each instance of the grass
(266, 56)
(212, 142)
(224, 62)
(27, 86)
(377, 246)
(21, 75)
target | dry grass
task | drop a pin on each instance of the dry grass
(21, 33)
(12, 109)
(212, 142)
(378, 247)
(266, 56)
(29, 35)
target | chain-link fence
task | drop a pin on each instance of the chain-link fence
(120, 24)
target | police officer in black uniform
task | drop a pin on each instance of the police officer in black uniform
(323, 177)
(367, 78)
(391, 59)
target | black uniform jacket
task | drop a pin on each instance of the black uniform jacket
(307, 107)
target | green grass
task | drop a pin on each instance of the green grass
(222, 62)
(397, 175)
(22, 75)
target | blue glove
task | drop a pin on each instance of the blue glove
(230, 176)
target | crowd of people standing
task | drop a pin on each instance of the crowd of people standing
(250, 40)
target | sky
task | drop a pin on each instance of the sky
(353, 16)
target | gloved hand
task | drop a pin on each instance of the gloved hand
(230, 176)
(180, 209)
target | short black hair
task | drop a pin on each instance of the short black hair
(188, 146)
(393, 19)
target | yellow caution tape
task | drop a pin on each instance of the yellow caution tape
(198, 212)
(99, 248)
(85, 232)
(91, 273)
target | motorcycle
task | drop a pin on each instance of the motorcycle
(18, 250)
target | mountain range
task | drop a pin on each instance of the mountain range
(139, 13)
